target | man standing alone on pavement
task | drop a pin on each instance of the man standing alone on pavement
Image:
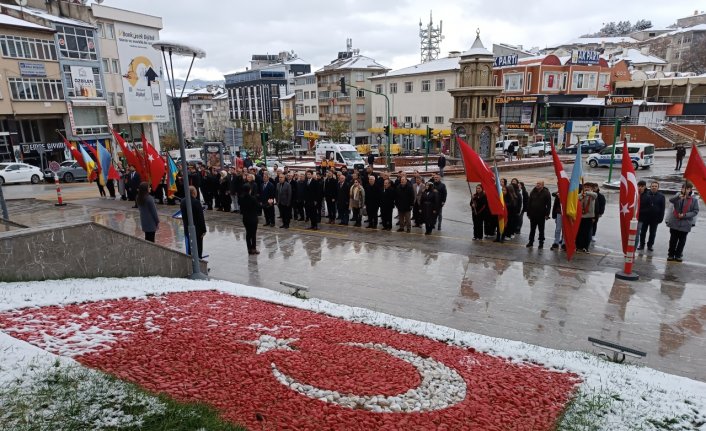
(441, 163)
(681, 153)
(539, 207)
(441, 188)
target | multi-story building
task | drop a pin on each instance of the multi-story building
(306, 109)
(640, 59)
(32, 97)
(253, 95)
(354, 107)
(419, 98)
(604, 45)
(676, 46)
(503, 49)
(204, 116)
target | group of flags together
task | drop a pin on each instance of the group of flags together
(147, 162)
(478, 172)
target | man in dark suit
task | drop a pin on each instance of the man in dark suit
(343, 192)
(372, 201)
(268, 193)
(133, 182)
(199, 220)
(284, 200)
(313, 194)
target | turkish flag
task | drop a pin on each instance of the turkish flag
(478, 172)
(131, 157)
(394, 123)
(267, 366)
(75, 153)
(154, 163)
(696, 171)
(629, 196)
(569, 226)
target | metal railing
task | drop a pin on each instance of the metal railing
(681, 130)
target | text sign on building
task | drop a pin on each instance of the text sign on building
(619, 100)
(512, 99)
(84, 81)
(32, 69)
(142, 72)
(585, 57)
(506, 60)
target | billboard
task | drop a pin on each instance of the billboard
(586, 58)
(506, 60)
(142, 72)
(83, 80)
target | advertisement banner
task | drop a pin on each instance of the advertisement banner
(84, 81)
(214, 154)
(585, 58)
(143, 78)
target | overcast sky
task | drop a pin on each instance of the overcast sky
(388, 31)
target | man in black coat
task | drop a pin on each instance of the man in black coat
(372, 201)
(652, 205)
(313, 193)
(268, 194)
(330, 194)
(441, 188)
(441, 163)
(404, 200)
(199, 220)
(133, 182)
(539, 207)
(387, 204)
(284, 200)
(343, 192)
(298, 192)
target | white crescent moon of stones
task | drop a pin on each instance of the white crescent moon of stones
(440, 387)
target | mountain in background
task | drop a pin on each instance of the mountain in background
(198, 83)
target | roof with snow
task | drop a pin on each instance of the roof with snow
(634, 56)
(356, 62)
(49, 17)
(477, 48)
(14, 22)
(698, 27)
(434, 66)
(288, 96)
(599, 41)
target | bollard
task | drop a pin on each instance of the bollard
(58, 192)
(626, 273)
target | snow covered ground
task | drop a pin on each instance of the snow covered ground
(636, 397)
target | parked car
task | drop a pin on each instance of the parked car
(642, 156)
(537, 149)
(502, 146)
(588, 146)
(19, 173)
(70, 171)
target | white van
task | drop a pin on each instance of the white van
(344, 155)
(642, 156)
(502, 146)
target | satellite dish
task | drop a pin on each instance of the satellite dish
(21, 3)
(98, 1)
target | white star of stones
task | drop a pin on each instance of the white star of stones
(267, 342)
(624, 209)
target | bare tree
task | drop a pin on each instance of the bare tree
(694, 60)
(336, 129)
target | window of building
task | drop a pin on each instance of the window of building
(109, 31)
(438, 120)
(70, 85)
(361, 94)
(514, 82)
(551, 81)
(360, 125)
(360, 76)
(378, 119)
(408, 87)
(378, 88)
(440, 84)
(529, 81)
(407, 119)
(425, 119)
(584, 81)
(116, 65)
(360, 109)
(307, 110)
(313, 94)
(100, 29)
(299, 95)
(119, 99)
(90, 120)
(393, 88)
(27, 47)
(106, 65)
(495, 80)
(426, 85)
(29, 132)
(564, 79)
(313, 109)
(306, 95)
(604, 82)
(110, 97)
(36, 89)
(77, 42)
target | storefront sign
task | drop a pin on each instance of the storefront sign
(41, 147)
(585, 57)
(506, 60)
(83, 80)
(580, 127)
(519, 126)
(142, 74)
(512, 99)
(32, 69)
(619, 100)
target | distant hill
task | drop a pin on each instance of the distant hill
(198, 83)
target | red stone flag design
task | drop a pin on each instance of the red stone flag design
(293, 368)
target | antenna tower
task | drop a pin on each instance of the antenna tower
(431, 38)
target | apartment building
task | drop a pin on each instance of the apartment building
(207, 122)
(306, 108)
(354, 107)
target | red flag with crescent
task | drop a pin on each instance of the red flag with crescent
(629, 196)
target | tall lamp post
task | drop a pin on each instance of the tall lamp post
(168, 50)
(546, 122)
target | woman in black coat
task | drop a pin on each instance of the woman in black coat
(430, 207)
(480, 211)
(249, 208)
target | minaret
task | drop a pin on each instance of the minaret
(475, 117)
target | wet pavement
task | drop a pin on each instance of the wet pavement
(506, 291)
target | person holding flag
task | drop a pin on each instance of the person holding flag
(588, 208)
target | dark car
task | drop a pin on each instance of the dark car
(70, 171)
(588, 146)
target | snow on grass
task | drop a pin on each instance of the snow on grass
(612, 396)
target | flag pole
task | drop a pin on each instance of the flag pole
(465, 171)
(626, 273)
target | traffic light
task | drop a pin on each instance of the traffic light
(387, 130)
(430, 132)
(264, 136)
(343, 85)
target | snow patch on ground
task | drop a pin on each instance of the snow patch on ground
(637, 394)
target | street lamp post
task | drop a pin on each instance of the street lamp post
(546, 123)
(171, 48)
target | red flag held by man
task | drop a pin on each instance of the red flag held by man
(131, 157)
(478, 172)
(154, 163)
(696, 171)
(75, 153)
(629, 196)
(569, 226)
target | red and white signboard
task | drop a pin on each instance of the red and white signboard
(268, 366)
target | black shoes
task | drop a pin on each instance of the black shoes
(554, 247)
(529, 245)
(541, 245)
